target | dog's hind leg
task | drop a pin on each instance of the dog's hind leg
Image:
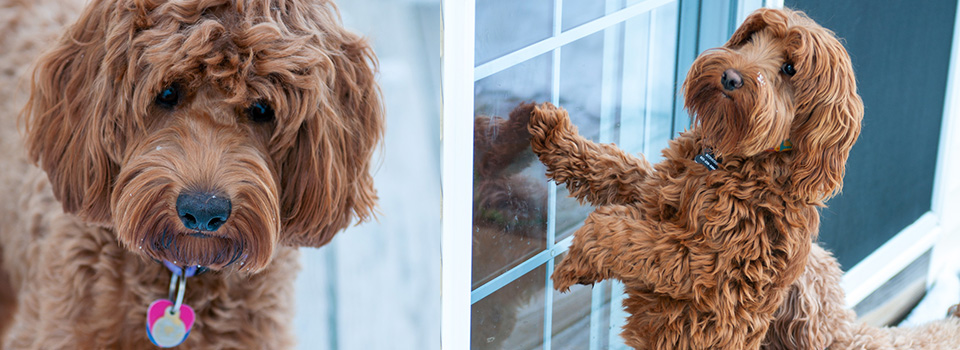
(598, 173)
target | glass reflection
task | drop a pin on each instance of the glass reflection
(506, 25)
(509, 187)
(512, 317)
(572, 314)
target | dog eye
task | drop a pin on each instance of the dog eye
(788, 69)
(168, 97)
(260, 112)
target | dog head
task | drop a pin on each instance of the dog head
(781, 76)
(207, 132)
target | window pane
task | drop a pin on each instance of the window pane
(506, 25)
(573, 315)
(570, 214)
(722, 16)
(581, 82)
(581, 74)
(571, 319)
(577, 12)
(512, 317)
(649, 81)
(510, 188)
(498, 94)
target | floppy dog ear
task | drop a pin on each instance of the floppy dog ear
(326, 178)
(68, 115)
(828, 111)
(758, 20)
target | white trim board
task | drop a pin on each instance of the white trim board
(456, 172)
(946, 181)
(891, 258)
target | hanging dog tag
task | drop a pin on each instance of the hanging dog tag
(168, 322)
(166, 327)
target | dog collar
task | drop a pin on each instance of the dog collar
(188, 271)
(709, 160)
(784, 146)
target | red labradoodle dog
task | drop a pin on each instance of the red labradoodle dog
(708, 241)
(215, 133)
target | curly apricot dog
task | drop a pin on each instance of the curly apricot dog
(214, 133)
(708, 241)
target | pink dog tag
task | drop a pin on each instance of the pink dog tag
(167, 327)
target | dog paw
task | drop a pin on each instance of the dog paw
(547, 117)
(568, 273)
(549, 125)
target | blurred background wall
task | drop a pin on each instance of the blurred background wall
(377, 285)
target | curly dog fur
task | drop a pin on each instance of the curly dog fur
(707, 257)
(142, 100)
(813, 316)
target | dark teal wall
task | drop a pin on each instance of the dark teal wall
(900, 52)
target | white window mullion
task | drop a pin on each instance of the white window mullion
(457, 172)
(552, 188)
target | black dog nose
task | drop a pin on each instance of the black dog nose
(203, 211)
(731, 79)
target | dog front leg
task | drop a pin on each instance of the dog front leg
(614, 242)
(597, 249)
(598, 173)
